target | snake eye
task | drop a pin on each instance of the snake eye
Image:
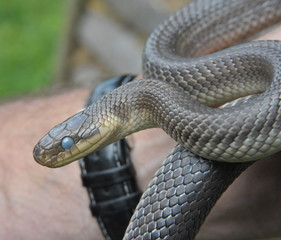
(67, 142)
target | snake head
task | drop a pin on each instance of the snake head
(73, 139)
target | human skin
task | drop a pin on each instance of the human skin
(41, 203)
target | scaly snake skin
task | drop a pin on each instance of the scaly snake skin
(180, 196)
(179, 88)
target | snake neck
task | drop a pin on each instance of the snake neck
(143, 104)
(208, 132)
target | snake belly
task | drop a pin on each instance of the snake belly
(189, 67)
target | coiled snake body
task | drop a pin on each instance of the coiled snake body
(186, 74)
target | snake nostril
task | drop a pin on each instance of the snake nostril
(39, 154)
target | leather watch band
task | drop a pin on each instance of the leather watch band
(109, 177)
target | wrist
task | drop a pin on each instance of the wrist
(39, 202)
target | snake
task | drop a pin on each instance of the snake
(208, 87)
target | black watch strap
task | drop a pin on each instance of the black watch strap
(109, 177)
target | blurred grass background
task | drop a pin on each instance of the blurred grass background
(29, 37)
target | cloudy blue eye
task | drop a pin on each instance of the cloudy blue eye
(67, 142)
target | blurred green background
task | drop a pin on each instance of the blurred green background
(29, 35)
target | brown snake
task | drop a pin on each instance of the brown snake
(186, 72)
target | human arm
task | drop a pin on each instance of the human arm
(42, 203)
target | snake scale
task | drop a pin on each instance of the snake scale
(190, 66)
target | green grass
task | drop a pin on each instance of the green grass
(29, 35)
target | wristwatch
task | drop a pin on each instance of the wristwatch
(109, 176)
